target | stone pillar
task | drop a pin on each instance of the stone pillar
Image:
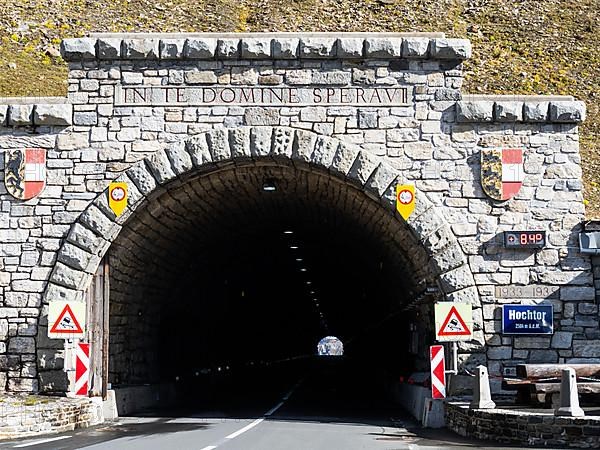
(569, 397)
(482, 397)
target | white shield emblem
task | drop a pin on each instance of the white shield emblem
(502, 172)
(25, 172)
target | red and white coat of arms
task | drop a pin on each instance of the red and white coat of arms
(25, 172)
(502, 172)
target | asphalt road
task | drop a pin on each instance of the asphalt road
(318, 411)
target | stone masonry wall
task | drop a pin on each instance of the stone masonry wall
(47, 415)
(523, 428)
(434, 140)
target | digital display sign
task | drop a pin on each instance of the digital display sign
(524, 239)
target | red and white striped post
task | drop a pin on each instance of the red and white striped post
(82, 368)
(438, 371)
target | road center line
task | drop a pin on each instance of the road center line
(256, 422)
(243, 430)
(42, 441)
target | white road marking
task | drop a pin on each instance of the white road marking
(275, 408)
(42, 441)
(243, 430)
(256, 422)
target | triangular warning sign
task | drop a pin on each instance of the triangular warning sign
(454, 325)
(66, 322)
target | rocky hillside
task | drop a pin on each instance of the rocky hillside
(520, 46)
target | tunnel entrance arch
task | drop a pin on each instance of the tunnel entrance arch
(324, 186)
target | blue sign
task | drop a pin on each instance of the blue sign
(527, 319)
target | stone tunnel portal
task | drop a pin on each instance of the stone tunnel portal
(253, 264)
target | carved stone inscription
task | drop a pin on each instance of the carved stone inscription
(261, 96)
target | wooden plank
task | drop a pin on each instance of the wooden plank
(537, 371)
(95, 299)
(105, 325)
(582, 388)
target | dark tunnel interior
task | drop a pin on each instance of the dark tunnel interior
(251, 267)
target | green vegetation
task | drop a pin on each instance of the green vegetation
(520, 47)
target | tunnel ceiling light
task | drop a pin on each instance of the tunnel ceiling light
(302, 269)
(299, 259)
(294, 247)
(309, 282)
(269, 185)
(288, 232)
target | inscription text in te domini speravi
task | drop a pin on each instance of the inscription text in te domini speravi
(261, 96)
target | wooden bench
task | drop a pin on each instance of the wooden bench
(538, 383)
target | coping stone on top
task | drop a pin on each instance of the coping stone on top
(78, 49)
(256, 48)
(567, 112)
(200, 48)
(444, 48)
(553, 109)
(3, 114)
(228, 46)
(140, 48)
(318, 48)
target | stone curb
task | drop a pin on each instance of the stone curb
(36, 114)
(534, 111)
(262, 46)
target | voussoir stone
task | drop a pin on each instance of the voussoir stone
(218, 142)
(109, 48)
(198, 149)
(78, 49)
(344, 158)
(324, 151)
(283, 141)
(475, 111)
(200, 48)
(66, 276)
(256, 48)
(261, 141)
(160, 166)
(239, 142)
(567, 112)
(74, 256)
(381, 179)
(142, 178)
(180, 159)
(53, 114)
(96, 221)
(363, 167)
(140, 48)
(443, 48)
(383, 47)
(457, 279)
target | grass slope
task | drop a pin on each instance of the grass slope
(520, 47)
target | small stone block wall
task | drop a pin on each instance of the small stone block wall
(524, 428)
(48, 415)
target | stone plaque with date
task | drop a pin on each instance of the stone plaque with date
(529, 291)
